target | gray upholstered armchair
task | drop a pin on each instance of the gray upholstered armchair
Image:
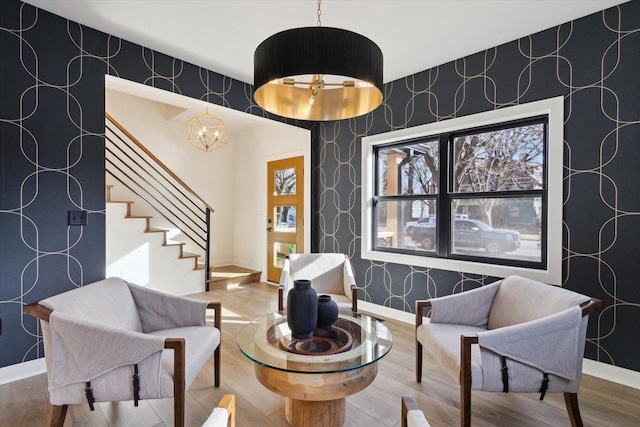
(514, 335)
(116, 341)
(330, 274)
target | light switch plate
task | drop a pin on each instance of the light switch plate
(77, 217)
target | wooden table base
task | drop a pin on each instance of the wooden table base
(316, 399)
(323, 413)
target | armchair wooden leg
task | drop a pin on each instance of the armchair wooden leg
(465, 405)
(571, 400)
(418, 361)
(58, 415)
(179, 385)
(216, 366)
(465, 379)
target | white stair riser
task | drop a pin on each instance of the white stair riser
(141, 258)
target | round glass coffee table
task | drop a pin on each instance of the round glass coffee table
(318, 373)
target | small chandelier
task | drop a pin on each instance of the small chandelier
(318, 73)
(206, 132)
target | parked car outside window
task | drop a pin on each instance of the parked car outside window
(471, 233)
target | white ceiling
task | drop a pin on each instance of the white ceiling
(414, 35)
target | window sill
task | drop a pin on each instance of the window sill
(551, 275)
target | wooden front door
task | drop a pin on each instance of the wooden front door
(285, 213)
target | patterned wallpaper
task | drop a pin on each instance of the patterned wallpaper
(52, 158)
(594, 62)
(52, 153)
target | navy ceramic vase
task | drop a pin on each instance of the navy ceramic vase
(327, 312)
(302, 309)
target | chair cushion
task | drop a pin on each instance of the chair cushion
(344, 304)
(520, 300)
(200, 343)
(442, 341)
(324, 270)
(108, 302)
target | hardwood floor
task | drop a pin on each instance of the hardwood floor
(25, 403)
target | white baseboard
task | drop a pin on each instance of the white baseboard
(23, 370)
(615, 374)
(391, 313)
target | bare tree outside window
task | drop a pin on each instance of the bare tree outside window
(420, 168)
(503, 160)
(493, 193)
(285, 181)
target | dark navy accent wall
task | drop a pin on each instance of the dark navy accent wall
(52, 159)
(52, 153)
(594, 62)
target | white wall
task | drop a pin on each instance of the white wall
(140, 258)
(231, 179)
(208, 174)
(259, 146)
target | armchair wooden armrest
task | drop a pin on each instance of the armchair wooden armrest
(408, 404)
(354, 298)
(217, 306)
(36, 310)
(228, 402)
(280, 297)
(420, 306)
(417, 418)
(590, 306)
(217, 322)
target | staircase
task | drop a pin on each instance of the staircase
(221, 277)
(141, 176)
(197, 265)
(142, 254)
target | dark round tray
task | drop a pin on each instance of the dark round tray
(324, 341)
(343, 336)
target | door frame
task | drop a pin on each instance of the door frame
(306, 246)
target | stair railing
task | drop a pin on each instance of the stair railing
(130, 163)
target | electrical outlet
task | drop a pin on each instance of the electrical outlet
(77, 217)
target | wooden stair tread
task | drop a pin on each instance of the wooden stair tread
(227, 272)
(189, 255)
(223, 276)
(156, 230)
(183, 255)
(232, 269)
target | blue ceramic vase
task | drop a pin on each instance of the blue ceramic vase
(302, 309)
(327, 312)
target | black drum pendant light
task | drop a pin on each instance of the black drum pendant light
(318, 73)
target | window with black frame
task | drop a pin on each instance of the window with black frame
(473, 194)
